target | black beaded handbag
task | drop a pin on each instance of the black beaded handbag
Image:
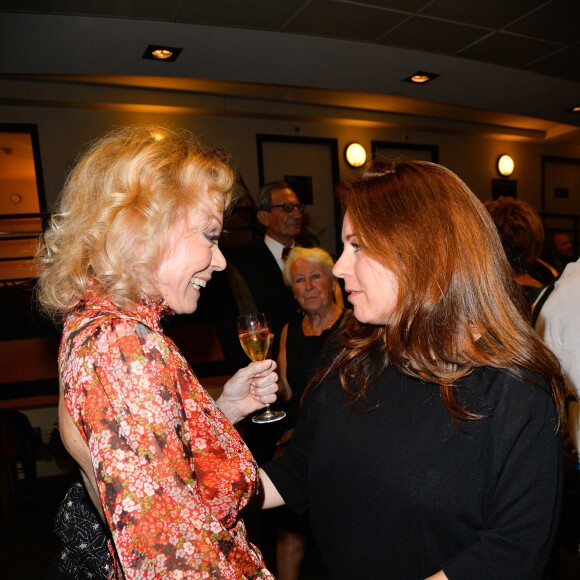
(84, 536)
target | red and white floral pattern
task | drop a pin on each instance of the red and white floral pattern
(172, 472)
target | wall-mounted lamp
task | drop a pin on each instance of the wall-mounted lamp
(505, 165)
(355, 155)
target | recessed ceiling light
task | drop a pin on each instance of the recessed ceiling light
(165, 53)
(420, 77)
(575, 109)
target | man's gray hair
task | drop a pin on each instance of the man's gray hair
(265, 196)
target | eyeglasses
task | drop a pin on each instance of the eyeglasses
(289, 207)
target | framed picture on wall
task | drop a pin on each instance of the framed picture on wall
(561, 197)
(394, 150)
(310, 166)
(560, 185)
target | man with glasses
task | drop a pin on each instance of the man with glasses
(280, 213)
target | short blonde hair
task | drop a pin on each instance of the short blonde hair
(312, 255)
(118, 208)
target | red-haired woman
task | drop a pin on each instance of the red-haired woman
(429, 446)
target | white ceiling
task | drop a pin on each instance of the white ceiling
(513, 63)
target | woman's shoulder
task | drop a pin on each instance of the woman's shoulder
(521, 394)
(101, 330)
(515, 379)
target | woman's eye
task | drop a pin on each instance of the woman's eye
(298, 280)
(355, 246)
(212, 238)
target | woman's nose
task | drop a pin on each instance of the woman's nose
(218, 260)
(338, 269)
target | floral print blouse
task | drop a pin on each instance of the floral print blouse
(172, 472)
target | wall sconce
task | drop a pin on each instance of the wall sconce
(505, 165)
(355, 155)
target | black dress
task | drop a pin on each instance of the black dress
(301, 354)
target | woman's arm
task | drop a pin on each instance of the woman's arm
(272, 498)
(285, 392)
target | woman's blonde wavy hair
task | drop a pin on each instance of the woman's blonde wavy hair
(458, 306)
(118, 208)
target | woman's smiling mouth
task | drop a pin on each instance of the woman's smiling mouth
(198, 283)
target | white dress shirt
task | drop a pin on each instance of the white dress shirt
(276, 249)
(559, 323)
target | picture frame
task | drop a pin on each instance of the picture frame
(560, 203)
(311, 165)
(560, 185)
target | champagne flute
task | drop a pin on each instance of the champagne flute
(254, 336)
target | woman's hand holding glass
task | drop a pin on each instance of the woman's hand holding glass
(249, 390)
(254, 334)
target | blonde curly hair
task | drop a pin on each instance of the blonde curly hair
(118, 208)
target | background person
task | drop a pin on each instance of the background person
(522, 235)
(135, 238)
(559, 250)
(429, 444)
(308, 273)
(559, 326)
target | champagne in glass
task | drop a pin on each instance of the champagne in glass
(256, 343)
(254, 336)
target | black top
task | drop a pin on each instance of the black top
(400, 492)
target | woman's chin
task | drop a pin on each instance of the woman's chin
(185, 306)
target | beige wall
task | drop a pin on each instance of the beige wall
(470, 152)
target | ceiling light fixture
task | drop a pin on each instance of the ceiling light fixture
(164, 53)
(420, 78)
(575, 109)
(355, 155)
(505, 165)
